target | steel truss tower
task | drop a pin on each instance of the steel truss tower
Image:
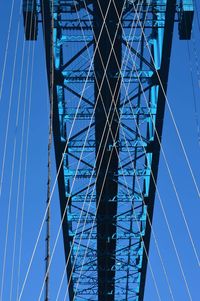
(110, 70)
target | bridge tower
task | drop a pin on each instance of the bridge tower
(107, 66)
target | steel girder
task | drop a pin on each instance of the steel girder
(110, 68)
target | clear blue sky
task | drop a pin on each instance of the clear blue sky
(180, 96)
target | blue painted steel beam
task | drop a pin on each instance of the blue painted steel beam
(164, 38)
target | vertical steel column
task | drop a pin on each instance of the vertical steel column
(163, 73)
(107, 63)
